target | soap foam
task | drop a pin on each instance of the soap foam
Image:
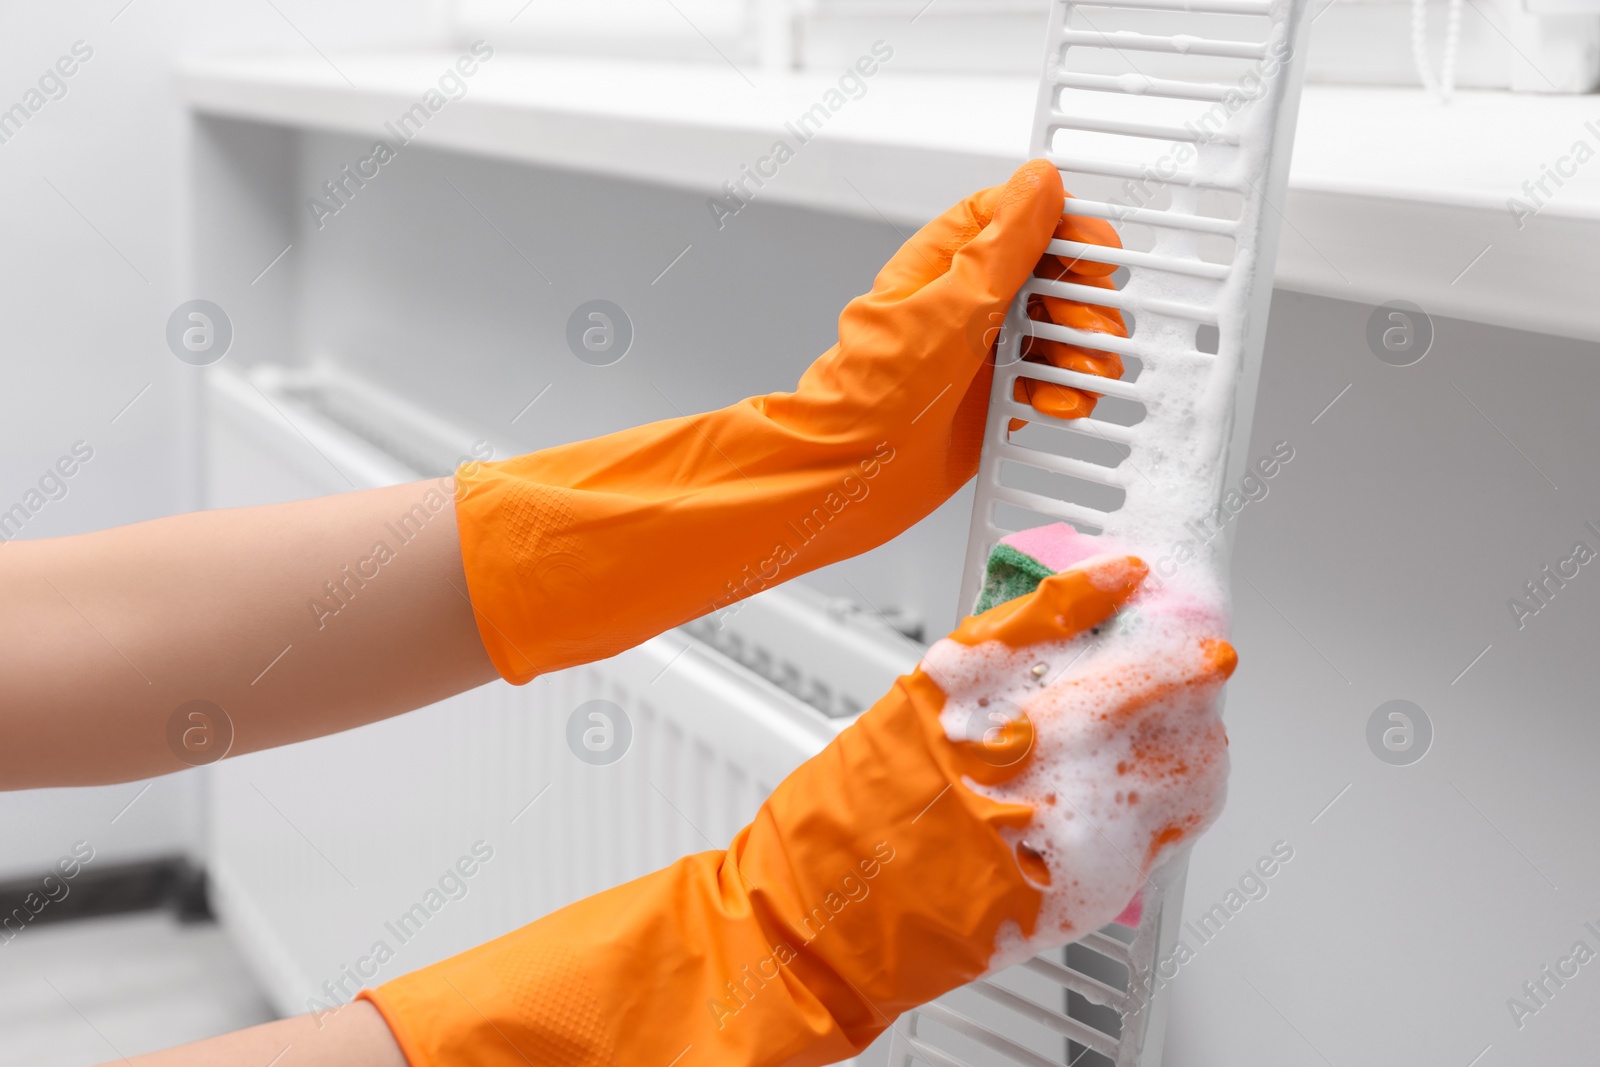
(1129, 759)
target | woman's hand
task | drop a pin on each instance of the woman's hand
(1111, 739)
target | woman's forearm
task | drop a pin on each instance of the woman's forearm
(353, 1036)
(295, 620)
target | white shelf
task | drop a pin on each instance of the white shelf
(684, 125)
(1391, 195)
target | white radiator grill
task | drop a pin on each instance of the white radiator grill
(1172, 119)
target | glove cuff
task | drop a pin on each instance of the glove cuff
(582, 551)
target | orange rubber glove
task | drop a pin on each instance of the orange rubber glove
(1065, 402)
(577, 552)
(882, 873)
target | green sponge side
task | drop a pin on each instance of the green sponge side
(1010, 574)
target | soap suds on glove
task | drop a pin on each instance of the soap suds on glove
(1129, 758)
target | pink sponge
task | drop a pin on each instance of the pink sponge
(1057, 546)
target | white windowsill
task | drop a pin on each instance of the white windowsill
(1391, 195)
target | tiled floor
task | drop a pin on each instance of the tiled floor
(87, 991)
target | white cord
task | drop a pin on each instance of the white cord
(1445, 85)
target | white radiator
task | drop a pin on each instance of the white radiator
(331, 860)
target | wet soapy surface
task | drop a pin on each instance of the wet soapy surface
(1128, 758)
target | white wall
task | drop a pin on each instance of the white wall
(1379, 566)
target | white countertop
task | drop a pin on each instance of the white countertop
(1392, 195)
